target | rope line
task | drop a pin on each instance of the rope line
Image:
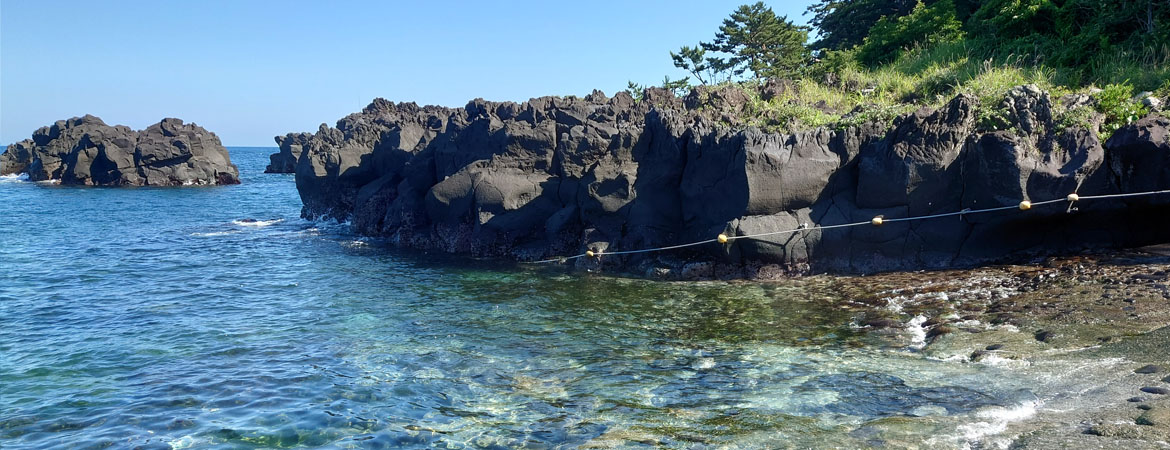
(876, 221)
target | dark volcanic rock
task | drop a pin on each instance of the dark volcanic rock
(291, 147)
(86, 151)
(1136, 148)
(1150, 368)
(556, 176)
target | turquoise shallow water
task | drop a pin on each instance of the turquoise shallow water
(160, 318)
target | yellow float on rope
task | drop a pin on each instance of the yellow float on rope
(722, 238)
(877, 221)
(1025, 205)
(1073, 197)
(589, 253)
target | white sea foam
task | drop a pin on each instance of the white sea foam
(14, 178)
(994, 421)
(183, 442)
(256, 223)
(917, 332)
(215, 233)
(703, 364)
(955, 358)
(995, 360)
(355, 243)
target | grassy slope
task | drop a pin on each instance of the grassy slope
(839, 93)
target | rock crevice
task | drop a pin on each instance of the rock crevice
(554, 176)
(86, 151)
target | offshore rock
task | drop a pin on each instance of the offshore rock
(557, 176)
(86, 151)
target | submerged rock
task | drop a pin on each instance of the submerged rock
(1149, 368)
(86, 151)
(556, 176)
(1159, 417)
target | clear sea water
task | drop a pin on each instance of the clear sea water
(162, 318)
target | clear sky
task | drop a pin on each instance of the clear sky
(250, 69)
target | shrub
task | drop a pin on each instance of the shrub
(1116, 102)
(924, 25)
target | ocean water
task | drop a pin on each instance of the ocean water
(214, 317)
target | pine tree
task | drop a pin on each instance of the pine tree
(759, 41)
(695, 61)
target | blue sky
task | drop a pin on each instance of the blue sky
(249, 70)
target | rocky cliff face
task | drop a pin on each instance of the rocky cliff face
(86, 151)
(555, 176)
(291, 146)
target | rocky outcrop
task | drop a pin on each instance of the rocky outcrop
(86, 151)
(555, 176)
(291, 145)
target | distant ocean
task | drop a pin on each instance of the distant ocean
(215, 317)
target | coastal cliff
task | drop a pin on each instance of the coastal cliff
(86, 151)
(556, 176)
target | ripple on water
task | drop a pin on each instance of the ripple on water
(160, 317)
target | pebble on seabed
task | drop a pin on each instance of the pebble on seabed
(1148, 369)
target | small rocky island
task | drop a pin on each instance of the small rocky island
(559, 176)
(86, 151)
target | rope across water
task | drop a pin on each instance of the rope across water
(876, 221)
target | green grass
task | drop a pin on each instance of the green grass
(839, 93)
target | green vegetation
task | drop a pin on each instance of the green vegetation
(752, 42)
(925, 25)
(877, 59)
(759, 41)
(1114, 102)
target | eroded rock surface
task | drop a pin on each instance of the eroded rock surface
(86, 151)
(285, 161)
(555, 176)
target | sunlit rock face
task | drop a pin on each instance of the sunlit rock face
(557, 176)
(86, 151)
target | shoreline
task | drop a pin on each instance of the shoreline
(555, 178)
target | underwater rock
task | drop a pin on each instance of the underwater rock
(1149, 368)
(1155, 416)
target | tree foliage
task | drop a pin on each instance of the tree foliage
(678, 87)
(924, 25)
(695, 60)
(1073, 32)
(950, 42)
(846, 23)
(1084, 36)
(756, 40)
